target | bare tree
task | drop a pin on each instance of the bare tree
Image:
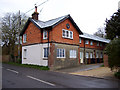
(10, 30)
(100, 32)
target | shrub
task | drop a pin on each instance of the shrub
(113, 52)
(117, 74)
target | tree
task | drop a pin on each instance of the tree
(10, 26)
(112, 28)
(100, 32)
(113, 52)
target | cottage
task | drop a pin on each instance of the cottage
(59, 43)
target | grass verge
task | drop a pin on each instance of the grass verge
(29, 65)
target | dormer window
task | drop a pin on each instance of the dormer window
(67, 34)
(44, 34)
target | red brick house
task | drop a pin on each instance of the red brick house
(58, 43)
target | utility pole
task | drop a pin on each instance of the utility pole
(19, 23)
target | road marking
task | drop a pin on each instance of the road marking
(41, 81)
(13, 71)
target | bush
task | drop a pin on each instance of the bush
(117, 74)
(113, 52)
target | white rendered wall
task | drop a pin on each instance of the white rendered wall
(34, 55)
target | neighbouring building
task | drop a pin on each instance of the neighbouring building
(59, 43)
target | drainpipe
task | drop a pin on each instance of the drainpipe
(84, 52)
(48, 47)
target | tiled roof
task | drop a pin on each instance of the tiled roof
(52, 22)
(93, 37)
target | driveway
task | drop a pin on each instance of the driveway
(92, 70)
(22, 77)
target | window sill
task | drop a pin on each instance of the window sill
(60, 57)
(45, 58)
(67, 38)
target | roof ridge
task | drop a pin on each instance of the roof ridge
(57, 17)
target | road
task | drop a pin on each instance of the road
(22, 77)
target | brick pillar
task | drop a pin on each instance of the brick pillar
(105, 58)
(51, 55)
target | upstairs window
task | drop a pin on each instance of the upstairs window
(24, 38)
(101, 44)
(91, 43)
(67, 34)
(44, 34)
(97, 43)
(72, 53)
(86, 41)
(80, 40)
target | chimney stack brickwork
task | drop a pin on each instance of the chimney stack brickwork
(35, 14)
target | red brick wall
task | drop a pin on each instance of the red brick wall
(92, 46)
(56, 33)
(105, 60)
(33, 34)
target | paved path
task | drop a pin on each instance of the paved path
(21, 77)
(80, 68)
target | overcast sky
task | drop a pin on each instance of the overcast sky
(89, 15)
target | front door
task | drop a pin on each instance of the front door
(81, 57)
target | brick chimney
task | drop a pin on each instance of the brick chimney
(35, 14)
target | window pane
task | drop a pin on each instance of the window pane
(87, 55)
(63, 33)
(71, 35)
(45, 52)
(67, 33)
(80, 40)
(44, 34)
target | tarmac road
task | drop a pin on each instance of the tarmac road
(22, 77)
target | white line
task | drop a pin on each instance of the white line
(13, 71)
(41, 81)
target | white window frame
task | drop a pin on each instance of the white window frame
(101, 55)
(45, 52)
(97, 54)
(45, 34)
(25, 54)
(67, 34)
(86, 41)
(91, 55)
(72, 54)
(101, 44)
(87, 55)
(97, 43)
(60, 53)
(91, 43)
(80, 40)
(24, 38)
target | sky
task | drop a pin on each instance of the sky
(89, 15)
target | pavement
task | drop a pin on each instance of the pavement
(22, 77)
